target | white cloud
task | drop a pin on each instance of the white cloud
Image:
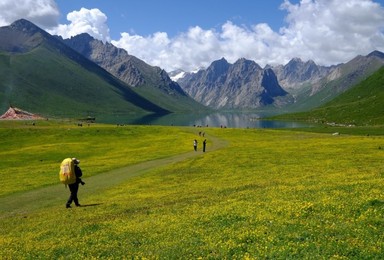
(322, 30)
(91, 21)
(326, 31)
(329, 32)
(43, 13)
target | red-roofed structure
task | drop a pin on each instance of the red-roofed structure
(16, 113)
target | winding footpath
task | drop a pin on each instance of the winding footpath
(25, 202)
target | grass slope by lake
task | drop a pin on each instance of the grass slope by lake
(360, 105)
(261, 194)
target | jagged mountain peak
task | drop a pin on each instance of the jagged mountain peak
(310, 63)
(242, 85)
(295, 63)
(216, 69)
(127, 68)
(298, 72)
(295, 60)
(100, 52)
(22, 36)
(25, 25)
(375, 56)
(376, 53)
(221, 60)
(28, 28)
(243, 62)
(217, 64)
(83, 37)
(87, 38)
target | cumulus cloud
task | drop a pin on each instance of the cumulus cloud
(326, 31)
(322, 30)
(198, 47)
(91, 21)
(330, 32)
(43, 13)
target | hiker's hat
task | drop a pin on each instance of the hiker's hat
(75, 160)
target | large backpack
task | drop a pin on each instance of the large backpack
(67, 171)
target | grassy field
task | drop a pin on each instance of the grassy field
(259, 194)
(37, 151)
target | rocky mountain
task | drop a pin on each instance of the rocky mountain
(21, 36)
(116, 61)
(242, 85)
(360, 105)
(355, 70)
(106, 78)
(339, 79)
(296, 86)
(41, 74)
(296, 73)
(151, 81)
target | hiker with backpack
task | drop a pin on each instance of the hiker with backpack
(74, 185)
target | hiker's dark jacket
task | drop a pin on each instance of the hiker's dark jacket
(78, 174)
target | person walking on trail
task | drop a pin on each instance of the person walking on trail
(195, 145)
(204, 144)
(74, 188)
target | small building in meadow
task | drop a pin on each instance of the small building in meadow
(17, 113)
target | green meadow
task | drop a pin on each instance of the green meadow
(255, 193)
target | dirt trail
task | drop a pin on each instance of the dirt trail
(24, 202)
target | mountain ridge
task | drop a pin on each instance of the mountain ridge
(340, 78)
(150, 81)
(360, 105)
(242, 85)
(116, 75)
(307, 84)
(40, 72)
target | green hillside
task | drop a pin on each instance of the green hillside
(47, 82)
(360, 105)
(152, 82)
(41, 74)
(343, 77)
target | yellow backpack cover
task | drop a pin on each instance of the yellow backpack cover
(67, 171)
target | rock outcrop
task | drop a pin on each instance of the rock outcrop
(242, 85)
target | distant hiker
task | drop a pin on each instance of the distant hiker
(195, 145)
(204, 144)
(74, 187)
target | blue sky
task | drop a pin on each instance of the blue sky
(192, 34)
(145, 17)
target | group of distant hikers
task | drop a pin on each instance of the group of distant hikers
(195, 142)
(70, 175)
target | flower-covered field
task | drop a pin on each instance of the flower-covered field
(266, 194)
(37, 150)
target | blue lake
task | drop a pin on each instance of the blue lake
(230, 120)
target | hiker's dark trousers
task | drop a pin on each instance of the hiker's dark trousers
(73, 197)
